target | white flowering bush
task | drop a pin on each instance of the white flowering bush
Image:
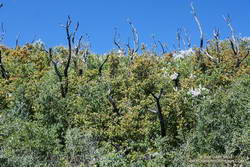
(194, 92)
(184, 53)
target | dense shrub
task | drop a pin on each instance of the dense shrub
(110, 114)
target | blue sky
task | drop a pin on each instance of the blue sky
(98, 18)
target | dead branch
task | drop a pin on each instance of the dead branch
(58, 74)
(135, 49)
(198, 24)
(233, 41)
(228, 20)
(101, 66)
(69, 36)
(163, 47)
(153, 111)
(211, 58)
(74, 33)
(76, 52)
(187, 37)
(78, 46)
(238, 62)
(117, 41)
(234, 48)
(178, 37)
(63, 77)
(2, 32)
(5, 74)
(154, 44)
(159, 112)
(55, 65)
(17, 40)
(216, 34)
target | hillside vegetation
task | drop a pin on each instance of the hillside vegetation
(111, 110)
(65, 106)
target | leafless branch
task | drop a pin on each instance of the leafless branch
(198, 24)
(78, 46)
(63, 86)
(163, 47)
(67, 27)
(5, 74)
(55, 65)
(187, 37)
(117, 40)
(216, 34)
(151, 110)
(228, 20)
(2, 32)
(135, 49)
(63, 77)
(238, 62)
(154, 43)
(101, 66)
(74, 33)
(135, 36)
(178, 37)
(159, 112)
(211, 58)
(234, 48)
(17, 40)
(76, 52)
(233, 41)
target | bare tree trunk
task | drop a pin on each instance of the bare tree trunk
(159, 113)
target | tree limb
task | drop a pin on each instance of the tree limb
(5, 74)
(116, 42)
(199, 25)
(159, 112)
(67, 27)
(101, 66)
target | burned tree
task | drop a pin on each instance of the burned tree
(158, 111)
(63, 76)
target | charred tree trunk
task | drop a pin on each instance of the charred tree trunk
(159, 113)
(3, 71)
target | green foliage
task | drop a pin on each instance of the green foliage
(109, 115)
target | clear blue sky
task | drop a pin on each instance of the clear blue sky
(41, 18)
